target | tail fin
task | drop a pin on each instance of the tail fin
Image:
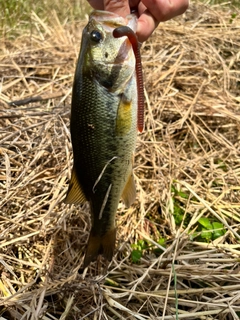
(100, 245)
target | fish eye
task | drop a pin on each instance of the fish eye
(96, 36)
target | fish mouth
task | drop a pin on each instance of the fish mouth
(110, 19)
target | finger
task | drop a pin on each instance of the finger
(157, 11)
(146, 25)
(96, 4)
(119, 7)
(163, 10)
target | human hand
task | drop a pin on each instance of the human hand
(150, 12)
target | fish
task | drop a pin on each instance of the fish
(106, 113)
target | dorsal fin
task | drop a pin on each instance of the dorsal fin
(75, 194)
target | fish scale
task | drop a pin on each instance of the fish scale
(103, 129)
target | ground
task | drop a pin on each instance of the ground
(177, 254)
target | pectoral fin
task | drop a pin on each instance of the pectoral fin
(75, 194)
(129, 192)
(124, 116)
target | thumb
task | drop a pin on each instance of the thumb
(146, 25)
(119, 7)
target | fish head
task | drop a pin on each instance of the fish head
(108, 60)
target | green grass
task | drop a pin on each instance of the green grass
(16, 14)
(235, 3)
(206, 229)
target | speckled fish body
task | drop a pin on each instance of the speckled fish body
(103, 127)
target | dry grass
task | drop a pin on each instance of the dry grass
(191, 142)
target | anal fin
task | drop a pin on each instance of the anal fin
(75, 194)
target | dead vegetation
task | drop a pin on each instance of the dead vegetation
(187, 160)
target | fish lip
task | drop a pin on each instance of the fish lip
(113, 20)
(108, 17)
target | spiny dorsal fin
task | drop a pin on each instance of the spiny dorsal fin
(75, 194)
(129, 192)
